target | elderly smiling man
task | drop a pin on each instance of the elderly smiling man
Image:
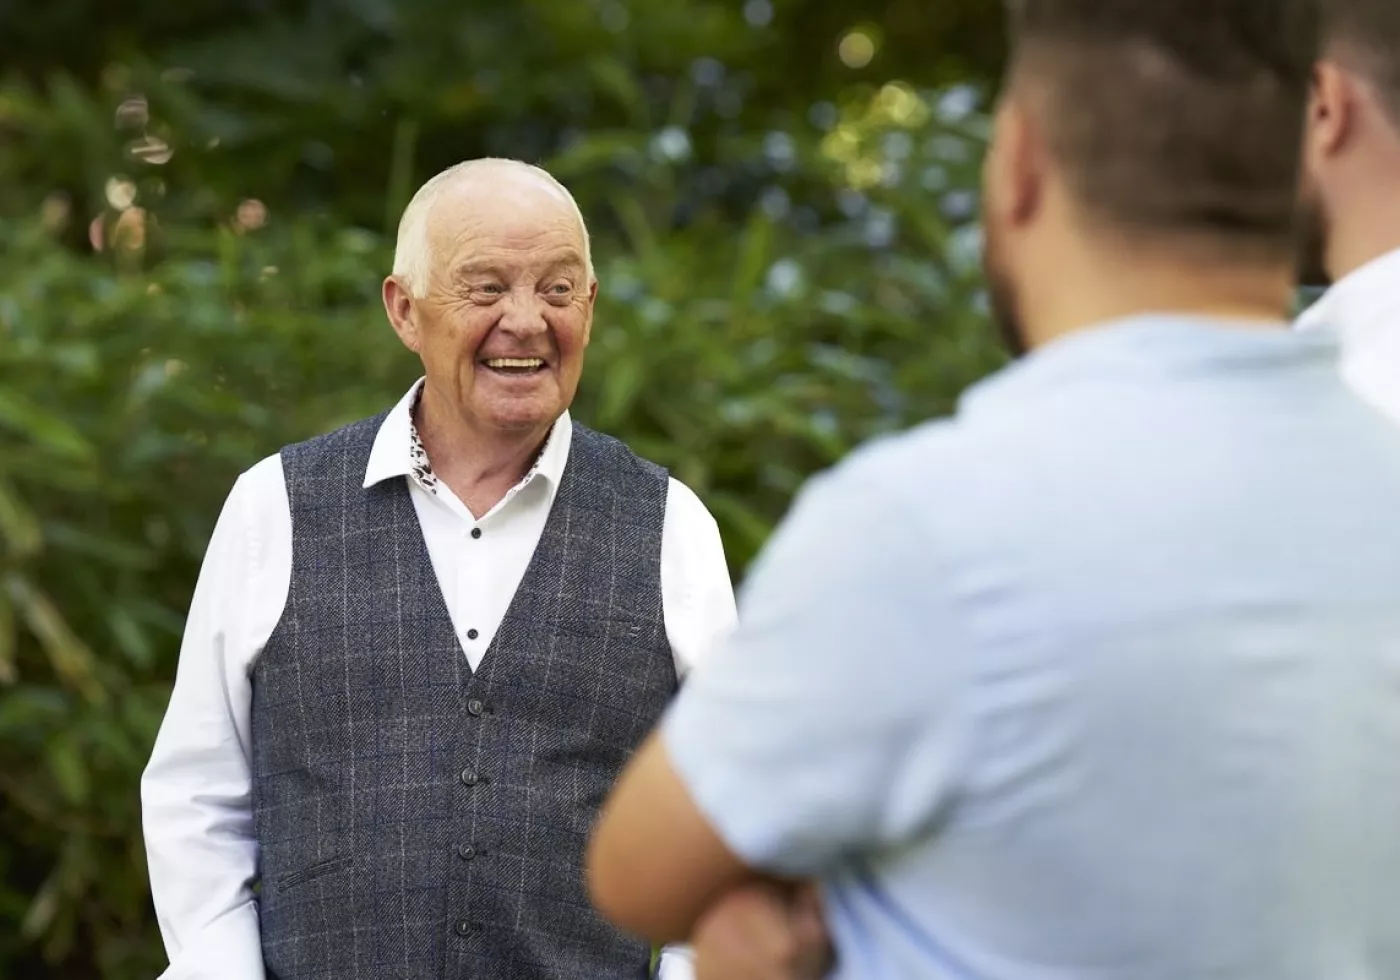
(422, 647)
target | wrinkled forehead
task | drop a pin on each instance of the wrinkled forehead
(507, 218)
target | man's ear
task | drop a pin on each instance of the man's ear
(1016, 168)
(1332, 109)
(588, 321)
(398, 304)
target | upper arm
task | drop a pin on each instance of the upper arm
(200, 709)
(697, 593)
(238, 598)
(196, 788)
(827, 726)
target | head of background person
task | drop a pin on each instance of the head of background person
(1145, 157)
(1351, 187)
(493, 288)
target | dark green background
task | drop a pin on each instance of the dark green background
(784, 243)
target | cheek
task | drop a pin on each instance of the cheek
(570, 328)
(461, 330)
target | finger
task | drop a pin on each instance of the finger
(740, 936)
(807, 921)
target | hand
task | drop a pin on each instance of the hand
(763, 931)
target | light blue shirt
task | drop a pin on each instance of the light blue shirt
(1099, 680)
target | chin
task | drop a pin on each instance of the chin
(523, 418)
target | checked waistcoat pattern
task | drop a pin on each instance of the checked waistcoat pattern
(420, 821)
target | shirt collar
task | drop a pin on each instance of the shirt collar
(1145, 347)
(1364, 301)
(397, 451)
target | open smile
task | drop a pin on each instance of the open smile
(515, 367)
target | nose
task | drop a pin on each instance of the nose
(522, 314)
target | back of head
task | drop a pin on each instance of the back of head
(1174, 118)
(1366, 33)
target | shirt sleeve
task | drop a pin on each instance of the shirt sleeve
(697, 599)
(697, 594)
(196, 789)
(677, 963)
(827, 727)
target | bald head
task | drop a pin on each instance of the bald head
(473, 188)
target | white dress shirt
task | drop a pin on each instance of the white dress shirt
(1363, 309)
(196, 790)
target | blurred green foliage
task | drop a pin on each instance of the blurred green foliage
(196, 211)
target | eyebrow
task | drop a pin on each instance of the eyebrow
(570, 259)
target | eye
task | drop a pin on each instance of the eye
(561, 289)
(486, 291)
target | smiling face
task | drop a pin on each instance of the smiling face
(503, 316)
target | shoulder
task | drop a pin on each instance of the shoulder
(891, 474)
(360, 432)
(256, 516)
(612, 455)
(865, 515)
(684, 504)
(260, 480)
(323, 452)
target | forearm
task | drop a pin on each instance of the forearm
(202, 857)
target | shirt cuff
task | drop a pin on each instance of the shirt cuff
(677, 963)
(229, 948)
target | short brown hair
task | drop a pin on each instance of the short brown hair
(1370, 28)
(1174, 117)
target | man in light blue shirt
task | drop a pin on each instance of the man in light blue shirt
(1099, 680)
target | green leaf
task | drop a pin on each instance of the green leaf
(67, 766)
(44, 908)
(27, 709)
(131, 638)
(109, 549)
(21, 415)
(621, 386)
(19, 528)
(68, 655)
(755, 248)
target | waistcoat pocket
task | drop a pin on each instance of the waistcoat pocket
(310, 873)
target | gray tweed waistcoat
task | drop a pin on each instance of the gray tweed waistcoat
(416, 820)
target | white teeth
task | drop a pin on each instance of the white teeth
(515, 362)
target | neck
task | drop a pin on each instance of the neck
(480, 467)
(1101, 285)
(1371, 230)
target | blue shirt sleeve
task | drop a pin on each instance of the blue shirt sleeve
(827, 727)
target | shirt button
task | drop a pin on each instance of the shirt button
(475, 708)
(476, 532)
(466, 852)
(464, 927)
(470, 778)
(472, 634)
